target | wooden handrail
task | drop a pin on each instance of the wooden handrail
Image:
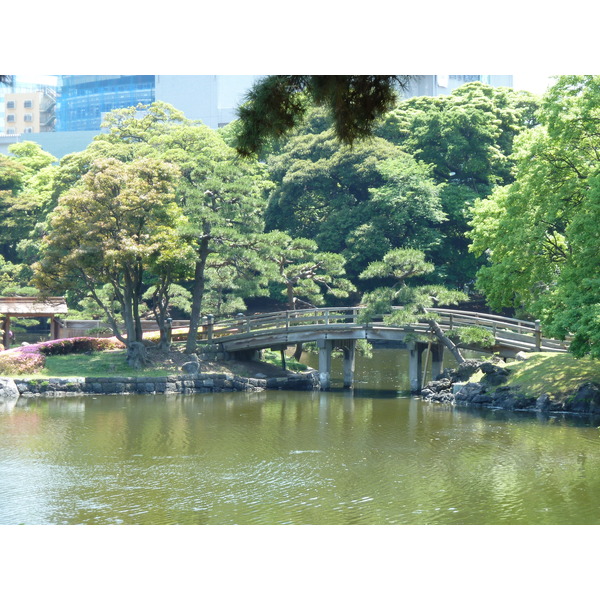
(516, 332)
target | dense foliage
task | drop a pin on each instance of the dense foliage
(278, 103)
(160, 216)
(540, 233)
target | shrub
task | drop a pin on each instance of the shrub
(17, 363)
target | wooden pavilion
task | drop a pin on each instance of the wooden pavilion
(32, 308)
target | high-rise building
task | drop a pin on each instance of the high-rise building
(83, 99)
(212, 99)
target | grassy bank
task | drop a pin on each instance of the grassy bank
(112, 363)
(557, 374)
(98, 364)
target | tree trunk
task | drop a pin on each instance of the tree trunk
(292, 306)
(136, 355)
(298, 351)
(197, 297)
(164, 327)
(444, 339)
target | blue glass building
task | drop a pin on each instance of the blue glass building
(84, 98)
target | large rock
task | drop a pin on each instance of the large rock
(587, 392)
(472, 393)
(463, 372)
(546, 404)
(192, 367)
(494, 375)
(8, 390)
(438, 385)
(512, 399)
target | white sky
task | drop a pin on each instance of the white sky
(533, 83)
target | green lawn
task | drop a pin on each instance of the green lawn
(555, 373)
(98, 364)
(112, 363)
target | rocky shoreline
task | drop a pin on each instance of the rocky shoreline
(452, 387)
(12, 389)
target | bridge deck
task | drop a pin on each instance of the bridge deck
(340, 323)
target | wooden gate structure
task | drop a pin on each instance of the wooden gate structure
(31, 308)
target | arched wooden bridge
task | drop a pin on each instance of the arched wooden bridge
(339, 327)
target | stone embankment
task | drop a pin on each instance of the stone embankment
(453, 387)
(174, 384)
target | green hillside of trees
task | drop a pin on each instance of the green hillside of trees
(161, 216)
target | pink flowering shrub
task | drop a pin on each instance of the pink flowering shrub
(32, 358)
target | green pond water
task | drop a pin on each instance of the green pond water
(374, 455)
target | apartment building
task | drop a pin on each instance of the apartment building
(29, 112)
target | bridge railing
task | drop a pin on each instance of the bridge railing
(518, 333)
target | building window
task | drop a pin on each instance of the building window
(10, 118)
(10, 104)
(10, 130)
(28, 118)
(28, 130)
(28, 104)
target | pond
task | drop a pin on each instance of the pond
(372, 455)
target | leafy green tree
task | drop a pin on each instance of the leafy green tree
(303, 273)
(467, 135)
(539, 234)
(26, 183)
(467, 138)
(358, 201)
(397, 266)
(117, 226)
(222, 196)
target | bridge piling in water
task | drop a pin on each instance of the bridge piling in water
(340, 327)
(325, 350)
(415, 363)
(349, 349)
(415, 352)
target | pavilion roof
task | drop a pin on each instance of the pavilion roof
(33, 307)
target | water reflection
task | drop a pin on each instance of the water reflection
(366, 456)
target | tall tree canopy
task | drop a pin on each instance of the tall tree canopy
(278, 103)
(222, 196)
(467, 138)
(540, 234)
(116, 227)
(358, 201)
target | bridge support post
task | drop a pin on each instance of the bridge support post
(325, 350)
(349, 361)
(414, 366)
(437, 362)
